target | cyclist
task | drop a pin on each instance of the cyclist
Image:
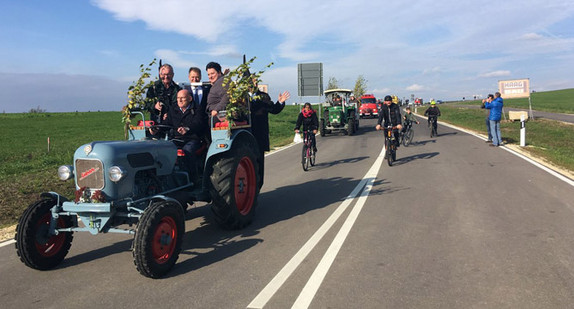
(308, 118)
(390, 113)
(409, 118)
(432, 112)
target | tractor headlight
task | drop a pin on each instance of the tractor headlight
(116, 173)
(65, 172)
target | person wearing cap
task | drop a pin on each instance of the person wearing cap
(433, 113)
(390, 115)
(495, 108)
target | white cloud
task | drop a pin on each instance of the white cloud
(415, 87)
(499, 73)
(531, 36)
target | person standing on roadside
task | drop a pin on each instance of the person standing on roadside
(487, 120)
(495, 108)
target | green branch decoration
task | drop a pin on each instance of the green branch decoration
(137, 99)
(239, 82)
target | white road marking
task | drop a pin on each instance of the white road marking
(6, 243)
(265, 295)
(312, 286)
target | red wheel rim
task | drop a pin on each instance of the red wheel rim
(164, 240)
(245, 185)
(47, 245)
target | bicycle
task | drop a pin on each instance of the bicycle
(432, 120)
(308, 153)
(408, 134)
(390, 145)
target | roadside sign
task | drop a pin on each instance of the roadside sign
(515, 88)
(310, 79)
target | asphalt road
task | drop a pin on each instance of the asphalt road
(453, 224)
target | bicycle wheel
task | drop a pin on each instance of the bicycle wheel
(390, 155)
(304, 158)
(408, 138)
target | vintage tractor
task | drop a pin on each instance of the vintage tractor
(338, 114)
(142, 187)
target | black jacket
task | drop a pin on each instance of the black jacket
(309, 123)
(432, 111)
(260, 109)
(168, 96)
(390, 115)
(194, 119)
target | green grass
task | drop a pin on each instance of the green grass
(28, 168)
(559, 101)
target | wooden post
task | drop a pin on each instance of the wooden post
(48, 144)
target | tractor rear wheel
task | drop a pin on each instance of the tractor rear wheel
(158, 239)
(234, 186)
(323, 128)
(35, 246)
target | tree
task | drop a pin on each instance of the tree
(333, 83)
(360, 87)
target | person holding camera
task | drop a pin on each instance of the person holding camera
(495, 108)
(487, 120)
(164, 92)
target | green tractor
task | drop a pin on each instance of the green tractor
(339, 115)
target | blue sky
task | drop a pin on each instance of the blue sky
(83, 55)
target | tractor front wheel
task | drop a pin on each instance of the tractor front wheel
(158, 239)
(35, 246)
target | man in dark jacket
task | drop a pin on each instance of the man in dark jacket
(188, 125)
(198, 91)
(433, 113)
(261, 106)
(390, 114)
(164, 92)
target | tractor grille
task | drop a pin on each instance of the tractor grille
(90, 173)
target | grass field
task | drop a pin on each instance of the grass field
(29, 168)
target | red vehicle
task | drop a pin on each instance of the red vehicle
(368, 106)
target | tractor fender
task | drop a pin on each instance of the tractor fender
(57, 198)
(156, 198)
(224, 144)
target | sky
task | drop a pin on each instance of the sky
(73, 55)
